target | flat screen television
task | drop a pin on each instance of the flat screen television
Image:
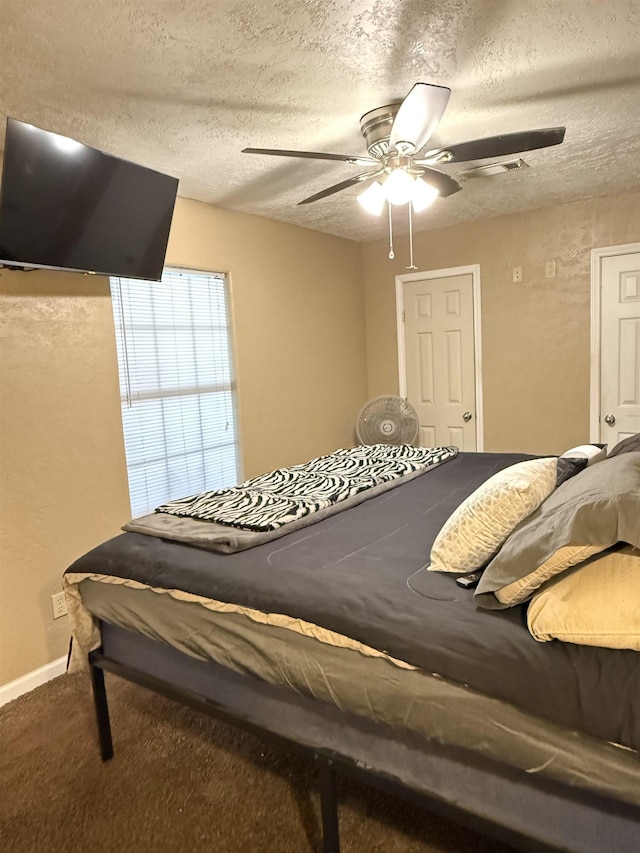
(67, 206)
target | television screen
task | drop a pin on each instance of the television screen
(65, 205)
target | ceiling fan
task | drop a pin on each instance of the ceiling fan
(399, 170)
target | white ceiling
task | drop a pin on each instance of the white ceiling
(183, 85)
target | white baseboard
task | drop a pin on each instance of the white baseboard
(28, 682)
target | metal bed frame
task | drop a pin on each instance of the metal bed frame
(520, 809)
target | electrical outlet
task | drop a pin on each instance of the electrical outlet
(517, 274)
(59, 605)
(550, 269)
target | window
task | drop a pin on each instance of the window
(176, 385)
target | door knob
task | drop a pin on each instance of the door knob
(610, 419)
(467, 417)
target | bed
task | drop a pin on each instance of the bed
(337, 639)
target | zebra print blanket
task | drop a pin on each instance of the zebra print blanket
(268, 502)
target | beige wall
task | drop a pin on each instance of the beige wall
(300, 346)
(535, 334)
(63, 483)
(298, 307)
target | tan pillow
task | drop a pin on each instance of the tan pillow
(596, 604)
(478, 527)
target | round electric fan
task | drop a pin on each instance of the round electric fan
(387, 420)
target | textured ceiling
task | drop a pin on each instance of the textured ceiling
(183, 85)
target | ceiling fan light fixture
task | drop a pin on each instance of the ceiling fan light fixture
(398, 187)
(423, 194)
(373, 198)
(396, 134)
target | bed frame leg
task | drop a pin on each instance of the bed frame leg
(328, 805)
(102, 712)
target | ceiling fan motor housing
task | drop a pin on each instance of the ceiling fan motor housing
(376, 129)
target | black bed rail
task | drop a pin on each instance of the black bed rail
(327, 761)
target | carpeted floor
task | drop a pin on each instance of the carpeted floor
(179, 781)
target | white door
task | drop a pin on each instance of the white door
(439, 357)
(620, 347)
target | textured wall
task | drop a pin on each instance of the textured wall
(535, 334)
(300, 344)
(63, 485)
(298, 306)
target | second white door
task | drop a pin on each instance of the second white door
(620, 347)
(439, 356)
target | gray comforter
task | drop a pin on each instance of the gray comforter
(355, 573)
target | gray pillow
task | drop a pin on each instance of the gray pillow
(627, 445)
(588, 514)
(568, 468)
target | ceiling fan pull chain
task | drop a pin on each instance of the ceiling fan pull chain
(411, 266)
(391, 253)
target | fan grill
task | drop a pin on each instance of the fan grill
(387, 420)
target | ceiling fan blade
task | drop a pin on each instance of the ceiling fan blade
(501, 146)
(445, 184)
(343, 185)
(312, 155)
(418, 117)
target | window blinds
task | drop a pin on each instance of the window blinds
(176, 385)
